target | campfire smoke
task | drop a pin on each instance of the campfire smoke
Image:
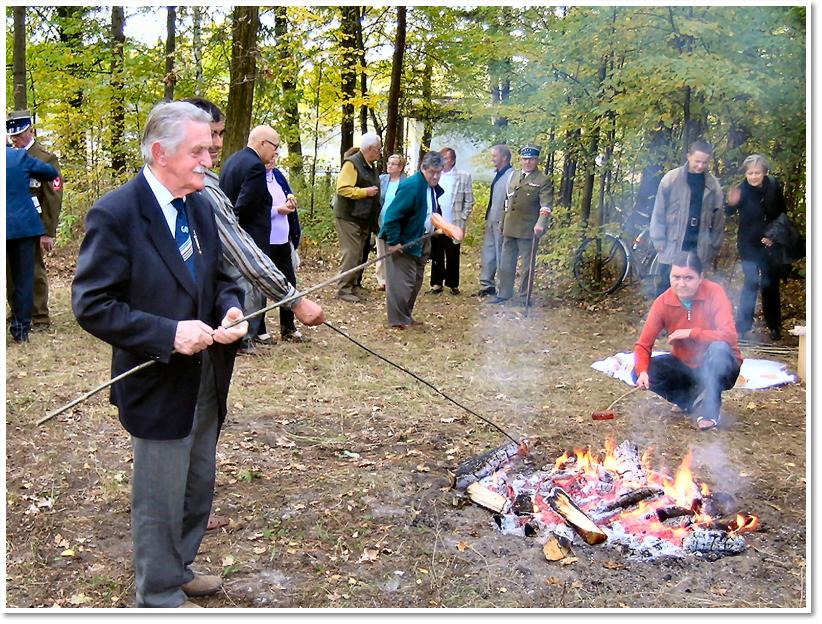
(615, 497)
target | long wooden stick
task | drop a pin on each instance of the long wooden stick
(453, 231)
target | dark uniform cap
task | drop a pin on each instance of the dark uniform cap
(17, 122)
(529, 151)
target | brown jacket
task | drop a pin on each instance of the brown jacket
(48, 195)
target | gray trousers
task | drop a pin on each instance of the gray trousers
(491, 252)
(512, 250)
(403, 279)
(171, 495)
(353, 236)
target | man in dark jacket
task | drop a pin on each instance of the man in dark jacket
(149, 282)
(356, 208)
(23, 231)
(48, 200)
(243, 181)
(407, 219)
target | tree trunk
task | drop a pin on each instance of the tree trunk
(118, 116)
(361, 68)
(428, 122)
(70, 27)
(197, 49)
(171, 45)
(588, 189)
(569, 168)
(393, 124)
(348, 74)
(19, 61)
(290, 131)
(242, 72)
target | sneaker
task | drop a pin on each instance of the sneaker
(455, 291)
(436, 290)
(349, 297)
(294, 336)
(775, 333)
(263, 339)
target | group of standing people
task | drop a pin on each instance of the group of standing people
(400, 210)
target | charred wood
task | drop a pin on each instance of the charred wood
(486, 464)
(631, 498)
(665, 513)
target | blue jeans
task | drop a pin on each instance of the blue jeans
(20, 258)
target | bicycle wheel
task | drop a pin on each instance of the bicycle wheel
(601, 264)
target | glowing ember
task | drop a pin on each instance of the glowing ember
(650, 512)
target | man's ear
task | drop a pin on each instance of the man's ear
(158, 152)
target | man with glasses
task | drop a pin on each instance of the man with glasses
(243, 181)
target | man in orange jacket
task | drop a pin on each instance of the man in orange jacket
(705, 358)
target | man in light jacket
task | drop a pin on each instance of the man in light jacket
(688, 213)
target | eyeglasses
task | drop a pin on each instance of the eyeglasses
(276, 146)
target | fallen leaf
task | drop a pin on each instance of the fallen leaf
(368, 555)
(719, 591)
(462, 546)
(751, 406)
(613, 565)
(553, 580)
(576, 585)
(228, 560)
(284, 442)
(447, 420)
(67, 553)
(423, 468)
(502, 590)
(78, 599)
(351, 454)
(568, 561)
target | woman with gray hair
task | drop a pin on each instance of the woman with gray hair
(759, 201)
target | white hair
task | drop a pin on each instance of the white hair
(166, 126)
(369, 139)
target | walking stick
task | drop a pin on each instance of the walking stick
(532, 263)
(438, 222)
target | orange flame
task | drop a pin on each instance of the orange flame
(744, 524)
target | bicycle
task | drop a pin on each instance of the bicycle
(604, 261)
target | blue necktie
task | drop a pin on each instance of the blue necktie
(182, 236)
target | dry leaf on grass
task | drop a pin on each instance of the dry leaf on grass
(719, 591)
(368, 555)
(613, 565)
(568, 561)
(461, 546)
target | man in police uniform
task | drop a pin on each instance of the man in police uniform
(527, 209)
(48, 200)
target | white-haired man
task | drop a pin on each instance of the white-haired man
(356, 209)
(149, 282)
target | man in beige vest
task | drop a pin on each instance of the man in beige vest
(527, 209)
(356, 209)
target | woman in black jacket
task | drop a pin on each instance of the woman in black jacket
(759, 201)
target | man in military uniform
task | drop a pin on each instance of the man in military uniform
(527, 209)
(48, 200)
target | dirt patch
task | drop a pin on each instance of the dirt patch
(333, 465)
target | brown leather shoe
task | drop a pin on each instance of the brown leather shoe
(189, 605)
(203, 585)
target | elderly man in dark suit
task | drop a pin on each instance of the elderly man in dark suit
(407, 219)
(149, 283)
(243, 181)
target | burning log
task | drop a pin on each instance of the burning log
(488, 463)
(673, 511)
(736, 523)
(631, 498)
(484, 497)
(574, 516)
(629, 466)
(714, 542)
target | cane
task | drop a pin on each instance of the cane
(436, 220)
(532, 264)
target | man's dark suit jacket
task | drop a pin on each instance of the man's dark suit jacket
(131, 288)
(242, 179)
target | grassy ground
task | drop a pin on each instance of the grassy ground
(333, 465)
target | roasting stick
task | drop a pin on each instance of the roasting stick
(439, 223)
(420, 379)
